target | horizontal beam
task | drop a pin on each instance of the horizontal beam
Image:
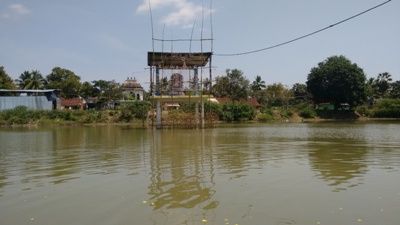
(181, 98)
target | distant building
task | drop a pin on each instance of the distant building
(73, 103)
(32, 99)
(177, 84)
(131, 88)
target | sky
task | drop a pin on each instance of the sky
(109, 40)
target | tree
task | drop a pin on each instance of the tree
(136, 109)
(381, 85)
(257, 85)
(206, 86)
(337, 80)
(88, 90)
(141, 110)
(299, 91)
(65, 80)
(108, 90)
(31, 80)
(277, 95)
(5, 80)
(164, 86)
(234, 85)
(395, 90)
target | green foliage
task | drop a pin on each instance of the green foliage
(286, 113)
(381, 85)
(107, 90)
(165, 86)
(307, 112)
(213, 108)
(65, 80)
(18, 115)
(363, 110)
(257, 85)
(187, 107)
(300, 93)
(24, 116)
(274, 95)
(337, 80)
(237, 112)
(31, 80)
(5, 80)
(387, 108)
(59, 115)
(234, 85)
(88, 90)
(395, 90)
(137, 109)
(265, 116)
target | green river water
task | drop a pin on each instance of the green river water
(275, 174)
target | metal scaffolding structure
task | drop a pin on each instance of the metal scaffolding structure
(166, 63)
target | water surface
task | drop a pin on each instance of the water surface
(329, 173)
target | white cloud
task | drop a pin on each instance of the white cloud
(180, 12)
(15, 11)
(19, 9)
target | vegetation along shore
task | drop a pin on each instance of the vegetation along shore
(335, 89)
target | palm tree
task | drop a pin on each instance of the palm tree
(258, 84)
(31, 80)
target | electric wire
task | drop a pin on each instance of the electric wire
(304, 36)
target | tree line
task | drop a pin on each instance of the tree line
(335, 80)
(66, 81)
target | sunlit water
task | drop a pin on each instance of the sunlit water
(330, 173)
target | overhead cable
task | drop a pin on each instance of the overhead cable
(304, 36)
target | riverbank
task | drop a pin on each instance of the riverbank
(170, 123)
(186, 118)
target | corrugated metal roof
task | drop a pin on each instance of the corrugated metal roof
(28, 91)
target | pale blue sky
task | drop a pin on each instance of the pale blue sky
(103, 39)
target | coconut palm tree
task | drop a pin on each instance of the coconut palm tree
(258, 84)
(31, 80)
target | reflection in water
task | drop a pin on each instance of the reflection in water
(244, 175)
(181, 174)
(337, 155)
(339, 165)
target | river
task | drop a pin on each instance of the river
(277, 174)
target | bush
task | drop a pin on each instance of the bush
(137, 109)
(308, 113)
(387, 108)
(58, 115)
(265, 117)
(237, 112)
(92, 116)
(213, 108)
(286, 113)
(363, 110)
(19, 115)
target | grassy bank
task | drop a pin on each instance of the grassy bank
(21, 116)
(185, 117)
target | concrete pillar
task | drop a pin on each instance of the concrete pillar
(151, 82)
(158, 84)
(197, 114)
(196, 81)
(202, 115)
(158, 115)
